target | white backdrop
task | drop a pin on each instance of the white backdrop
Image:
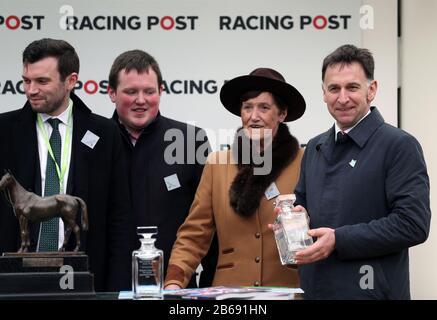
(204, 42)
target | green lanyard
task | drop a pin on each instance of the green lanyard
(65, 155)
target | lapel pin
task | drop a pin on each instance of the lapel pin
(352, 163)
(90, 139)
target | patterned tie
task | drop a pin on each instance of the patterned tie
(50, 228)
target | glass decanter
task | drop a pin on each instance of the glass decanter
(290, 229)
(147, 266)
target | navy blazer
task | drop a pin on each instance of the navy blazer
(374, 191)
(98, 176)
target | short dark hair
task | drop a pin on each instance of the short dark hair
(133, 60)
(68, 60)
(348, 54)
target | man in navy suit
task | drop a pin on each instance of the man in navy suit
(93, 166)
(365, 186)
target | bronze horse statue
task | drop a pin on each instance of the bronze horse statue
(28, 206)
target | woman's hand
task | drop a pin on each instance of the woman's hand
(172, 287)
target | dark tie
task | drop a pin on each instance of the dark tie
(50, 228)
(341, 137)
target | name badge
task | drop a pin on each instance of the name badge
(272, 191)
(172, 182)
(90, 139)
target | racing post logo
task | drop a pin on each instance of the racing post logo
(26, 22)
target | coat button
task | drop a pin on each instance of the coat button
(256, 284)
(257, 259)
(257, 235)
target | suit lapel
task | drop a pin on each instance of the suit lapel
(80, 154)
(78, 177)
(25, 144)
(327, 143)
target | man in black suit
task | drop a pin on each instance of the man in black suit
(166, 156)
(91, 166)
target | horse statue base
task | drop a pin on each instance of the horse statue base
(45, 275)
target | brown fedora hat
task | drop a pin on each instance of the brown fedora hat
(262, 79)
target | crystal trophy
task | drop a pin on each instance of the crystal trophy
(147, 266)
(290, 229)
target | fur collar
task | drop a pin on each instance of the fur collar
(247, 189)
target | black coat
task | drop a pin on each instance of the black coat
(153, 204)
(98, 176)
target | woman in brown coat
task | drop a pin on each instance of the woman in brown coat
(236, 194)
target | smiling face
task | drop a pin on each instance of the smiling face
(348, 93)
(43, 86)
(136, 99)
(261, 116)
